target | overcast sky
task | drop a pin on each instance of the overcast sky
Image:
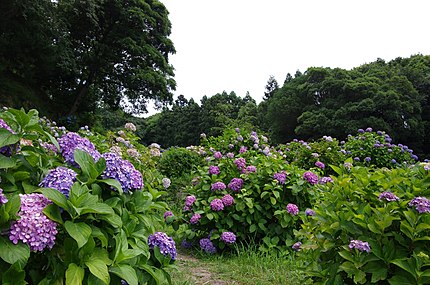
(235, 45)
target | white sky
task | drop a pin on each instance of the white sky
(235, 45)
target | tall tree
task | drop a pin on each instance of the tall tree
(271, 87)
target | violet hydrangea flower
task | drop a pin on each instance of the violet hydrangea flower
(227, 200)
(360, 245)
(326, 179)
(251, 169)
(3, 198)
(123, 171)
(280, 177)
(240, 163)
(72, 141)
(167, 214)
(61, 179)
(6, 150)
(421, 204)
(217, 205)
(189, 200)
(320, 165)
(207, 246)
(195, 219)
(33, 227)
(235, 184)
(242, 149)
(228, 237)
(297, 246)
(218, 155)
(166, 182)
(218, 186)
(214, 170)
(165, 243)
(311, 177)
(309, 212)
(292, 209)
(388, 196)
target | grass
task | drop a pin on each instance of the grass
(246, 265)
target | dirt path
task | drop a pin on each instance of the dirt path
(199, 274)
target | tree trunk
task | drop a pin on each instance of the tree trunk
(83, 91)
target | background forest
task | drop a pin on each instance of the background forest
(90, 64)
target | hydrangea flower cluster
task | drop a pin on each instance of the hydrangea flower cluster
(297, 246)
(227, 200)
(186, 244)
(217, 205)
(240, 163)
(242, 149)
(218, 186)
(195, 219)
(130, 127)
(218, 155)
(167, 214)
(49, 147)
(251, 169)
(60, 178)
(71, 141)
(280, 177)
(165, 243)
(388, 196)
(360, 245)
(229, 155)
(292, 209)
(326, 179)
(320, 165)
(421, 204)
(33, 227)
(207, 246)
(123, 171)
(116, 149)
(166, 182)
(3, 198)
(189, 200)
(228, 237)
(311, 177)
(309, 212)
(132, 152)
(235, 184)
(214, 170)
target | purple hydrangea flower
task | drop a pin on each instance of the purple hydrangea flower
(167, 214)
(186, 244)
(218, 155)
(360, 131)
(229, 155)
(367, 159)
(388, 196)
(297, 246)
(421, 204)
(242, 149)
(195, 219)
(280, 177)
(3, 198)
(228, 237)
(292, 209)
(251, 169)
(49, 147)
(360, 245)
(356, 158)
(165, 243)
(326, 179)
(237, 130)
(309, 212)
(189, 200)
(33, 227)
(72, 141)
(320, 165)
(218, 186)
(166, 182)
(227, 200)
(6, 150)
(207, 246)
(240, 163)
(214, 170)
(60, 178)
(217, 205)
(235, 184)
(347, 165)
(123, 171)
(369, 130)
(311, 177)
(239, 138)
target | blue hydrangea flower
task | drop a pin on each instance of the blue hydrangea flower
(3, 198)
(123, 171)
(360, 245)
(207, 246)
(72, 141)
(60, 178)
(165, 243)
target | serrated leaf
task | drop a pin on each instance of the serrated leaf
(14, 253)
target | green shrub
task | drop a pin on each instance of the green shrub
(372, 206)
(178, 161)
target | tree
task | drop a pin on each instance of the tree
(271, 87)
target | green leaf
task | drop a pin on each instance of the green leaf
(74, 275)
(379, 274)
(125, 272)
(114, 183)
(80, 232)
(87, 164)
(98, 208)
(406, 265)
(6, 162)
(7, 138)
(14, 253)
(210, 216)
(252, 228)
(272, 200)
(15, 275)
(98, 268)
(53, 212)
(55, 196)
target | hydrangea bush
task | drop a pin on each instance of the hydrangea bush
(370, 226)
(245, 195)
(70, 214)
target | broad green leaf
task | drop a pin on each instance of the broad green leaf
(6, 162)
(379, 274)
(87, 164)
(114, 183)
(405, 265)
(15, 275)
(74, 275)
(14, 253)
(252, 228)
(7, 138)
(55, 196)
(80, 232)
(98, 208)
(53, 212)
(98, 268)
